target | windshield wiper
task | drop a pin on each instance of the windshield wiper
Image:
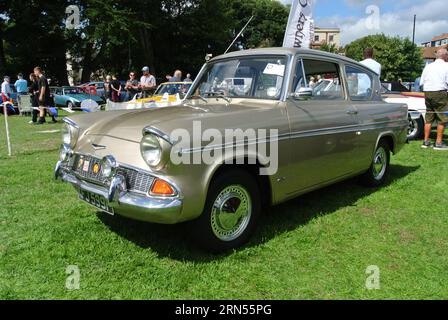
(218, 95)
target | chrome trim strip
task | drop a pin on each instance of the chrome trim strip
(302, 134)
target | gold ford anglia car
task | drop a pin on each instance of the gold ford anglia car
(257, 128)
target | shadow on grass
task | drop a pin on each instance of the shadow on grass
(173, 241)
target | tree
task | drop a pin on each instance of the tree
(116, 36)
(332, 48)
(400, 58)
(269, 24)
(33, 35)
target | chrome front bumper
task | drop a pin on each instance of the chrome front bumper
(132, 205)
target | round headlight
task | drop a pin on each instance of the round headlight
(108, 165)
(69, 134)
(64, 153)
(66, 134)
(151, 150)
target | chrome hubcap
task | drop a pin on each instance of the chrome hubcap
(231, 213)
(379, 164)
(413, 127)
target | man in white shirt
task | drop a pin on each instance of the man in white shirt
(6, 89)
(435, 85)
(147, 82)
(370, 63)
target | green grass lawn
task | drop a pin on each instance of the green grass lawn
(317, 246)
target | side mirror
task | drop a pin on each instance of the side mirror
(303, 94)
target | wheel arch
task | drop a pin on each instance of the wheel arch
(390, 138)
(253, 168)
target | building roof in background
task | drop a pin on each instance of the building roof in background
(327, 29)
(430, 52)
(442, 37)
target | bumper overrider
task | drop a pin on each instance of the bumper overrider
(127, 191)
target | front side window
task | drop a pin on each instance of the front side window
(360, 84)
(245, 77)
(318, 80)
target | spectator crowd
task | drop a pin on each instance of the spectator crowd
(42, 101)
(144, 87)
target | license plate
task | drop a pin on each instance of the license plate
(96, 200)
(86, 166)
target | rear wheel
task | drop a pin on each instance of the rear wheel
(231, 212)
(377, 173)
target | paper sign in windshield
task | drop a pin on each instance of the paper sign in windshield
(275, 69)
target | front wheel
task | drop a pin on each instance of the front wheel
(231, 212)
(70, 105)
(377, 173)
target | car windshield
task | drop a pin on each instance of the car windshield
(72, 91)
(173, 88)
(244, 77)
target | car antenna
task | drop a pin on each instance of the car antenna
(239, 34)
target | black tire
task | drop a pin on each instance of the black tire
(375, 177)
(70, 105)
(204, 229)
(416, 129)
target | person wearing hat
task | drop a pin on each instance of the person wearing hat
(147, 82)
(6, 89)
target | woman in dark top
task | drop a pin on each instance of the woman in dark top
(107, 88)
(116, 89)
(34, 91)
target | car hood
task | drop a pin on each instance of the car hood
(128, 124)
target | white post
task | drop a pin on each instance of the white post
(5, 112)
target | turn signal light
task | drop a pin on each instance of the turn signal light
(162, 188)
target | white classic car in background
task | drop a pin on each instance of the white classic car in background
(416, 110)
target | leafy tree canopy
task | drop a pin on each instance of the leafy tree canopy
(400, 58)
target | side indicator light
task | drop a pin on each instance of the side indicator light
(162, 188)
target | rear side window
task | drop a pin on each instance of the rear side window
(360, 83)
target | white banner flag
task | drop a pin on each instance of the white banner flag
(298, 30)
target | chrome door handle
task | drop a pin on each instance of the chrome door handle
(352, 112)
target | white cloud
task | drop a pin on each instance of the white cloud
(432, 19)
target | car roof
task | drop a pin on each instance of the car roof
(283, 51)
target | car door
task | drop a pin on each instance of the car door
(58, 100)
(323, 124)
(363, 88)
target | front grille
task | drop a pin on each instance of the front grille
(136, 181)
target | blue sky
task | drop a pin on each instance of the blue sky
(390, 17)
